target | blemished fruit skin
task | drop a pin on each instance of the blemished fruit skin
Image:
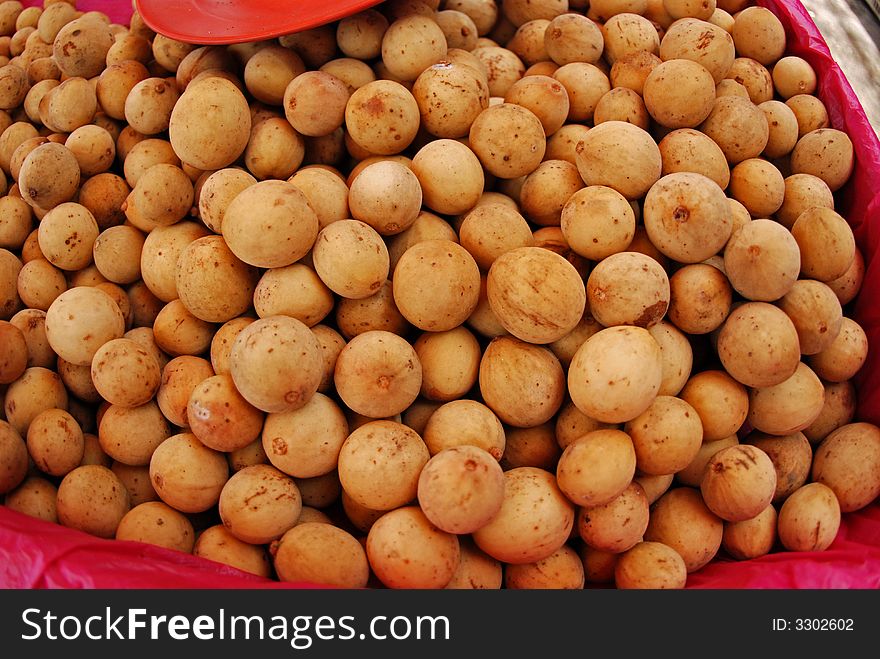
(513, 293)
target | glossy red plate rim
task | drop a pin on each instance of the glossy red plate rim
(217, 22)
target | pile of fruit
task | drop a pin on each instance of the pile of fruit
(455, 294)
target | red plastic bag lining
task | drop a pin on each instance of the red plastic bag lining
(36, 554)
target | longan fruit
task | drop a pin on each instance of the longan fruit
(259, 504)
(783, 126)
(411, 44)
(360, 35)
(632, 70)
(295, 291)
(500, 66)
(759, 34)
(810, 112)
(187, 475)
(92, 499)
(326, 192)
(36, 497)
(351, 259)
(67, 234)
(314, 103)
(476, 569)
(758, 345)
(844, 356)
(49, 176)
(738, 126)
(382, 479)
(826, 242)
(14, 458)
(222, 342)
(450, 363)
(508, 139)
(129, 435)
(475, 478)
(40, 283)
(512, 535)
(687, 216)
(628, 33)
(213, 284)
(269, 71)
(382, 117)
(322, 554)
(104, 196)
(80, 321)
(573, 38)
(802, 191)
(220, 417)
(585, 85)
(484, 14)
(562, 570)
(157, 524)
(847, 286)
(13, 359)
(70, 105)
(793, 75)
(816, 313)
(597, 221)
(305, 443)
(179, 377)
(492, 229)
(682, 521)
(210, 124)
(32, 324)
(378, 374)
(679, 93)
(436, 285)
(596, 468)
(149, 105)
(547, 189)
(617, 525)
(650, 565)
(406, 551)
(179, 332)
(387, 196)
(700, 298)
(136, 481)
(621, 156)
(826, 153)
(216, 543)
(791, 455)
(628, 288)
(161, 251)
(450, 176)
(521, 284)
(522, 383)
(80, 47)
(143, 155)
(762, 261)
(163, 195)
(809, 519)
(701, 42)
(666, 437)
(751, 538)
(124, 373)
(276, 364)
(288, 225)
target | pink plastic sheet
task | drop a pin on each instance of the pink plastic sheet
(35, 554)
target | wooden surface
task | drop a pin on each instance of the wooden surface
(853, 35)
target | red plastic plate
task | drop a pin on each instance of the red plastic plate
(236, 21)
